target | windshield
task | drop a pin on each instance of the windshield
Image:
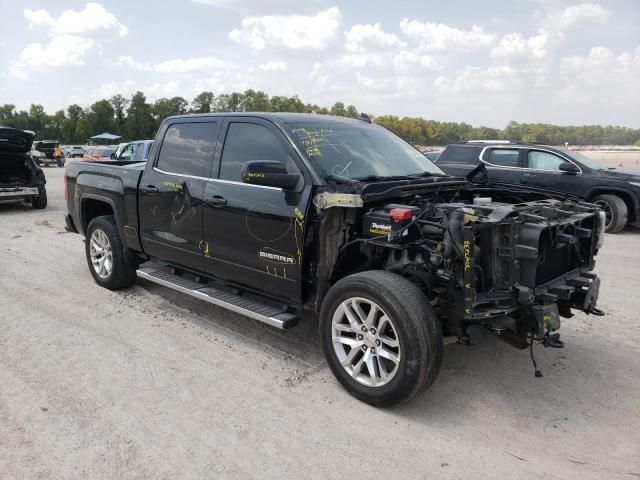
(359, 151)
(586, 161)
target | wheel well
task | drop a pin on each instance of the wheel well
(626, 198)
(92, 208)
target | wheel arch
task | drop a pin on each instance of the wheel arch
(92, 206)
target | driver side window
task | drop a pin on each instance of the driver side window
(544, 161)
(246, 142)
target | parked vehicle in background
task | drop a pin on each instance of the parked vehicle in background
(73, 151)
(271, 215)
(134, 151)
(121, 147)
(42, 151)
(98, 154)
(558, 169)
(20, 178)
(433, 155)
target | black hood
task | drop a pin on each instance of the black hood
(13, 140)
(615, 174)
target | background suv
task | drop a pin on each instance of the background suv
(541, 166)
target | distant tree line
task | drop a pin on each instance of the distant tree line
(135, 118)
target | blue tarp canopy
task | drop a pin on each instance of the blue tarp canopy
(106, 136)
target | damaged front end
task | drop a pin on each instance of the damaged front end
(515, 268)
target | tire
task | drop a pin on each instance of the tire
(118, 269)
(40, 201)
(616, 211)
(414, 328)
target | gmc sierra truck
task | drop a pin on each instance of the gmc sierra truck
(272, 214)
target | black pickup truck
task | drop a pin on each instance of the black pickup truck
(269, 215)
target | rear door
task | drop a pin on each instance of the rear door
(171, 188)
(503, 164)
(254, 233)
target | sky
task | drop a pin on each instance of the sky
(482, 62)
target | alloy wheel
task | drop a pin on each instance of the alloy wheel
(101, 253)
(365, 341)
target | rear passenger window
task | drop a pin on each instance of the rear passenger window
(455, 154)
(187, 148)
(245, 142)
(504, 157)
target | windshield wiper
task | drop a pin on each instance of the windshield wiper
(426, 174)
(373, 178)
(341, 179)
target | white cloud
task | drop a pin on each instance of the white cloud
(361, 60)
(363, 38)
(407, 60)
(441, 37)
(128, 61)
(188, 65)
(177, 65)
(94, 20)
(514, 45)
(576, 15)
(61, 51)
(251, 7)
(501, 79)
(273, 67)
(288, 31)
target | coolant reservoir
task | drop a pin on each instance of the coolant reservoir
(482, 200)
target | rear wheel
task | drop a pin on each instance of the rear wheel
(615, 210)
(381, 337)
(110, 263)
(40, 201)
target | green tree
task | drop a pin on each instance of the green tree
(119, 104)
(166, 107)
(139, 123)
(338, 109)
(202, 103)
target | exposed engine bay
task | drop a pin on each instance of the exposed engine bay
(481, 258)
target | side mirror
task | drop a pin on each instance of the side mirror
(568, 167)
(269, 173)
(113, 156)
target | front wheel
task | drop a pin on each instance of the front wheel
(110, 263)
(381, 337)
(615, 210)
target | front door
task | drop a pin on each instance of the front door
(542, 169)
(253, 233)
(171, 189)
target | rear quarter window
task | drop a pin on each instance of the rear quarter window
(459, 154)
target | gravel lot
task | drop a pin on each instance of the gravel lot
(145, 383)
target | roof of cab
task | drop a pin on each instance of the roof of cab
(281, 117)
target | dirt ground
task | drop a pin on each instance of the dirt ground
(145, 383)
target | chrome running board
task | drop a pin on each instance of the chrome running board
(236, 303)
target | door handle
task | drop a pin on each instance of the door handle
(149, 189)
(216, 200)
(529, 175)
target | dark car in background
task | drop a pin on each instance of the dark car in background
(134, 151)
(617, 192)
(20, 178)
(98, 154)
